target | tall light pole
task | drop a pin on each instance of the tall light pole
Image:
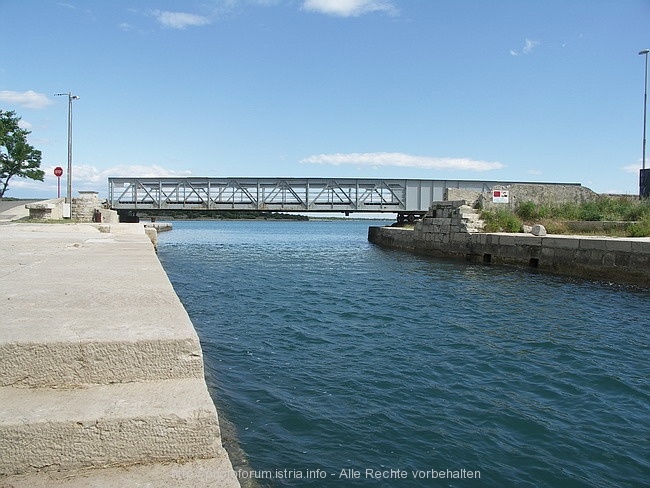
(644, 179)
(71, 97)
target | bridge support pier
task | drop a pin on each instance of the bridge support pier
(128, 216)
(409, 217)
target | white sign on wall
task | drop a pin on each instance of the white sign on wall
(500, 196)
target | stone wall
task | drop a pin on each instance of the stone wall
(542, 194)
(87, 207)
(450, 230)
(84, 206)
(444, 221)
(539, 194)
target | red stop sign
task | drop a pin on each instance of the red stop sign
(58, 171)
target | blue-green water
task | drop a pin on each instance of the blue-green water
(329, 353)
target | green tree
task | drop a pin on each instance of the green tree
(17, 157)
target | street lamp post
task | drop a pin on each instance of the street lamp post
(71, 97)
(644, 179)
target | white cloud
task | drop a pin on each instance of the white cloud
(87, 174)
(84, 177)
(348, 8)
(529, 45)
(179, 20)
(632, 168)
(28, 99)
(402, 160)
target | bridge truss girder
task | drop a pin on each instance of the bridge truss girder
(406, 197)
(265, 194)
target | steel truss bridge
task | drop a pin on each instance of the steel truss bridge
(406, 197)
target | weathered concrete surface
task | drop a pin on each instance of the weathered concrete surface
(199, 473)
(46, 209)
(101, 425)
(99, 364)
(624, 260)
(14, 209)
(538, 193)
(83, 307)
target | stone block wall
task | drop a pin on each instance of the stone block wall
(84, 206)
(87, 207)
(446, 219)
(469, 196)
(444, 230)
(452, 229)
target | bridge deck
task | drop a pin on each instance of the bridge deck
(284, 194)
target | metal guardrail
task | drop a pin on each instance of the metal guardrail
(284, 194)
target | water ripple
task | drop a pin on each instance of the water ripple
(328, 352)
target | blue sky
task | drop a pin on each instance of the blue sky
(512, 90)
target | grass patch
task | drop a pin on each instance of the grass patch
(641, 228)
(501, 220)
(555, 217)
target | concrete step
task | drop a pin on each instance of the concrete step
(101, 372)
(71, 363)
(471, 229)
(470, 215)
(84, 307)
(214, 472)
(103, 425)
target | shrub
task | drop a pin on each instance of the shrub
(527, 211)
(591, 211)
(567, 211)
(530, 212)
(555, 226)
(501, 220)
(640, 228)
(553, 217)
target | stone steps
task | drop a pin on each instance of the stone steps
(198, 473)
(101, 370)
(123, 423)
(77, 363)
(468, 219)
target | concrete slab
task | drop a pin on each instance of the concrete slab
(200, 473)
(559, 242)
(128, 323)
(106, 366)
(46, 428)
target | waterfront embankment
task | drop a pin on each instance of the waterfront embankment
(453, 229)
(101, 370)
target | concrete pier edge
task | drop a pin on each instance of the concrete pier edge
(450, 230)
(101, 370)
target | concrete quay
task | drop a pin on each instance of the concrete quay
(453, 229)
(101, 370)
